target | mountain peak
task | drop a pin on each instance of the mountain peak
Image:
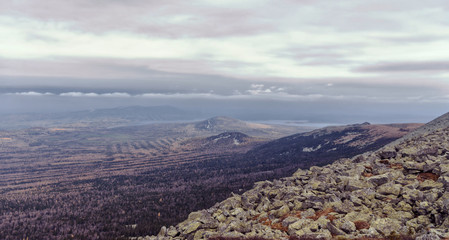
(234, 138)
(218, 122)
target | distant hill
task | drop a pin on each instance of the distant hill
(110, 117)
(222, 124)
(235, 142)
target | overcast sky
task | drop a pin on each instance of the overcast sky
(304, 59)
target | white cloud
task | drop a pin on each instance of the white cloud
(252, 94)
(92, 94)
(31, 93)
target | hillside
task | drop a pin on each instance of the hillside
(88, 183)
(222, 124)
(281, 157)
(398, 190)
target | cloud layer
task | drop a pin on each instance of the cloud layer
(302, 50)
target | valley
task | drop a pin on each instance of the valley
(111, 183)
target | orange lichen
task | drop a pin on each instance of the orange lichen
(396, 166)
(384, 161)
(427, 176)
(361, 225)
(331, 217)
(321, 213)
(279, 226)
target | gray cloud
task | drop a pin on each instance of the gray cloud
(154, 18)
(208, 19)
(405, 67)
(300, 56)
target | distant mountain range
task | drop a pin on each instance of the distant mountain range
(111, 117)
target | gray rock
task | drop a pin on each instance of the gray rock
(191, 227)
(429, 236)
(334, 229)
(289, 220)
(390, 189)
(162, 232)
(172, 232)
(387, 226)
(378, 179)
(300, 224)
(387, 154)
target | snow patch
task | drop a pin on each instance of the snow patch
(311, 149)
(222, 137)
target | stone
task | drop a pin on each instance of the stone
(344, 207)
(289, 220)
(409, 165)
(236, 211)
(308, 213)
(284, 210)
(387, 226)
(195, 215)
(348, 227)
(429, 236)
(172, 232)
(322, 234)
(192, 227)
(301, 223)
(444, 168)
(358, 216)
(233, 234)
(403, 206)
(334, 229)
(345, 225)
(162, 232)
(401, 216)
(198, 234)
(418, 223)
(408, 151)
(390, 189)
(356, 184)
(387, 154)
(429, 184)
(443, 202)
(378, 179)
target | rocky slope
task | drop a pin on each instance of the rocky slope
(399, 190)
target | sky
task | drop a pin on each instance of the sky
(317, 60)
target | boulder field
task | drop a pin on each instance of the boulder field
(399, 191)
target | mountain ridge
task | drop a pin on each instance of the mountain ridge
(399, 190)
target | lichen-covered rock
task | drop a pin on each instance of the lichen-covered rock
(388, 226)
(390, 189)
(191, 227)
(378, 179)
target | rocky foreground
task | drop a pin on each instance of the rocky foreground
(399, 190)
